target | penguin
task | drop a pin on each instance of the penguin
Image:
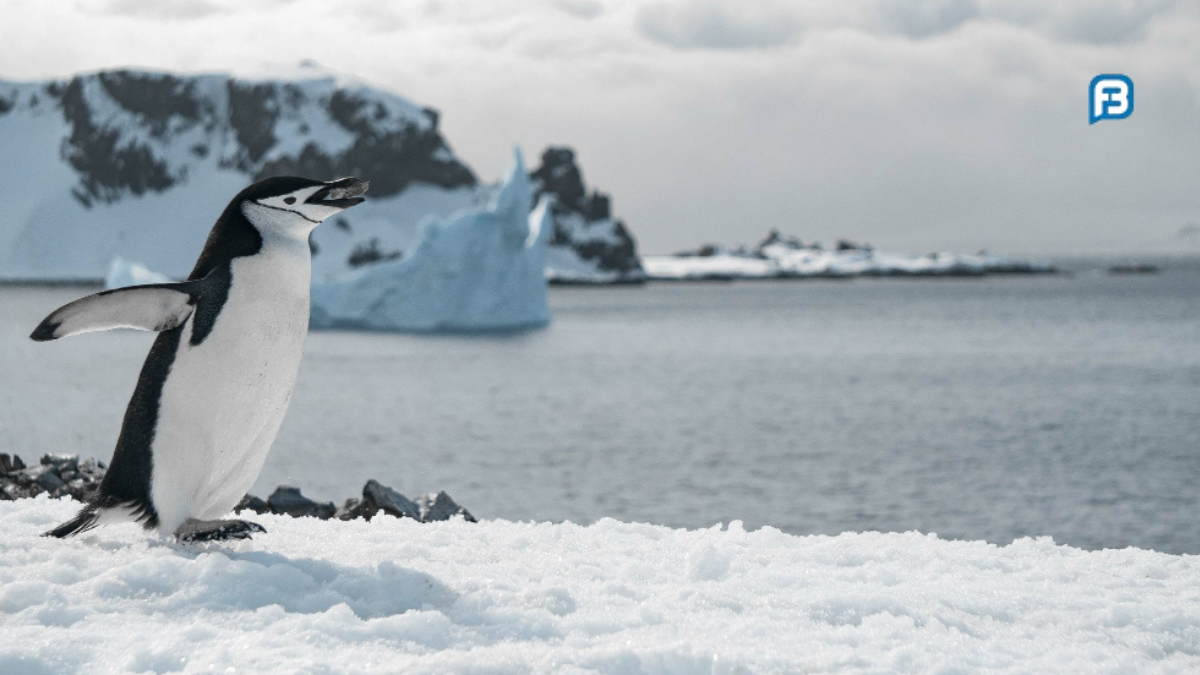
(217, 381)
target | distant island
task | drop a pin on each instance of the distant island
(781, 257)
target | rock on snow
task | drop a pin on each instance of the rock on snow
(395, 595)
(479, 270)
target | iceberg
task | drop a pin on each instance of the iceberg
(122, 272)
(478, 270)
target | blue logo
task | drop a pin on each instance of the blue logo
(1110, 98)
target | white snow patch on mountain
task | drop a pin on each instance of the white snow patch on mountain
(393, 595)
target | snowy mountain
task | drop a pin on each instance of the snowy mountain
(137, 164)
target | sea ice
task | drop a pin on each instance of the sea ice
(394, 595)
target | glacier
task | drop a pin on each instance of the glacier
(479, 270)
(395, 595)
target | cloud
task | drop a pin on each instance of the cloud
(1101, 23)
(924, 19)
(584, 9)
(159, 9)
(709, 24)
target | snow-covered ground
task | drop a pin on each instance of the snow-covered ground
(393, 596)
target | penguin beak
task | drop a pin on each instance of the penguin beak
(340, 194)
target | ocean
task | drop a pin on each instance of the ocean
(990, 408)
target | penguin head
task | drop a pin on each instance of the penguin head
(293, 206)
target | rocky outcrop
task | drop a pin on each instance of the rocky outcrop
(591, 245)
(58, 475)
(67, 476)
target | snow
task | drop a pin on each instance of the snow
(783, 260)
(479, 270)
(47, 234)
(123, 273)
(563, 264)
(719, 266)
(393, 595)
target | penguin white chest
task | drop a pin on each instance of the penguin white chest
(225, 398)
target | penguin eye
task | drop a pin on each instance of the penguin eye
(289, 200)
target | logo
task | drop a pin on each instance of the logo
(1110, 98)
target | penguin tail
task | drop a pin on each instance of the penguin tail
(87, 519)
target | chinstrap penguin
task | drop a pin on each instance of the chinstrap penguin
(217, 382)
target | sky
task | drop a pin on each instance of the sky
(917, 126)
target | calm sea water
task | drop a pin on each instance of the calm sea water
(981, 409)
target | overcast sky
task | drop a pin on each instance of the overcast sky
(953, 124)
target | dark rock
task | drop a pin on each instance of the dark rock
(583, 220)
(61, 463)
(847, 245)
(288, 500)
(109, 165)
(441, 507)
(66, 475)
(392, 158)
(79, 489)
(252, 503)
(369, 252)
(91, 470)
(379, 497)
(49, 480)
(11, 491)
(252, 115)
(775, 237)
(352, 509)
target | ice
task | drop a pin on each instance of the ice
(122, 272)
(393, 595)
(479, 270)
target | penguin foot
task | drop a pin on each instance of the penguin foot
(216, 530)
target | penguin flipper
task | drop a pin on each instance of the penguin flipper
(155, 307)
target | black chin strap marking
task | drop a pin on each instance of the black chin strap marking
(268, 206)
